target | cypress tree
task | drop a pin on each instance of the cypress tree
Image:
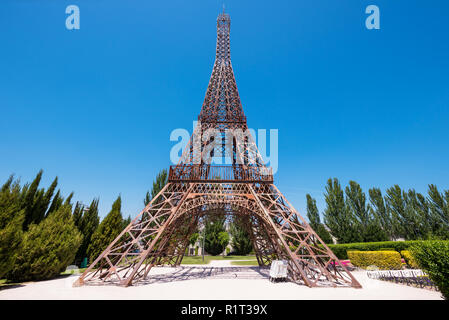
(216, 237)
(56, 203)
(88, 223)
(315, 221)
(126, 222)
(158, 185)
(78, 214)
(241, 241)
(29, 197)
(11, 222)
(107, 231)
(47, 248)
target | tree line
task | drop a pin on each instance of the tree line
(352, 216)
(41, 232)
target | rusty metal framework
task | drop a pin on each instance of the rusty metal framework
(198, 188)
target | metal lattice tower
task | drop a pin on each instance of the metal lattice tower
(197, 188)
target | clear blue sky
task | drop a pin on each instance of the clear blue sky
(96, 106)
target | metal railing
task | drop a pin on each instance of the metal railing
(212, 173)
(416, 278)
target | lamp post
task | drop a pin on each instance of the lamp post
(204, 239)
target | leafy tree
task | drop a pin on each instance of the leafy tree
(88, 223)
(47, 248)
(216, 237)
(158, 185)
(241, 240)
(409, 212)
(315, 221)
(337, 215)
(396, 207)
(107, 231)
(369, 227)
(379, 212)
(439, 212)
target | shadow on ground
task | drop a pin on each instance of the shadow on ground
(195, 273)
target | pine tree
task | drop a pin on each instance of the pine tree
(315, 221)
(47, 248)
(107, 231)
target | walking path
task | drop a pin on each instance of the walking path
(218, 280)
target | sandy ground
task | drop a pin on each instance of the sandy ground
(217, 280)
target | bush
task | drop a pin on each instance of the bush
(47, 248)
(196, 251)
(411, 262)
(340, 250)
(433, 258)
(384, 260)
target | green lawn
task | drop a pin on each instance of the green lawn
(245, 263)
(81, 270)
(207, 259)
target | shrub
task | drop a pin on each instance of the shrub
(411, 262)
(196, 251)
(340, 250)
(47, 248)
(384, 260)
(433, 258)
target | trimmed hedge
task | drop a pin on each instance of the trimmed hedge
(433, 258)
(340, 250)
(384, 260)
(411, 262)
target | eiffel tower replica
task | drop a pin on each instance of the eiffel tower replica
(197, 189)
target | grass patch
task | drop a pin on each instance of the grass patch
(81, 270)
(207, 259)
(245, 263)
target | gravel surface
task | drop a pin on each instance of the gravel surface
(213, 281)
